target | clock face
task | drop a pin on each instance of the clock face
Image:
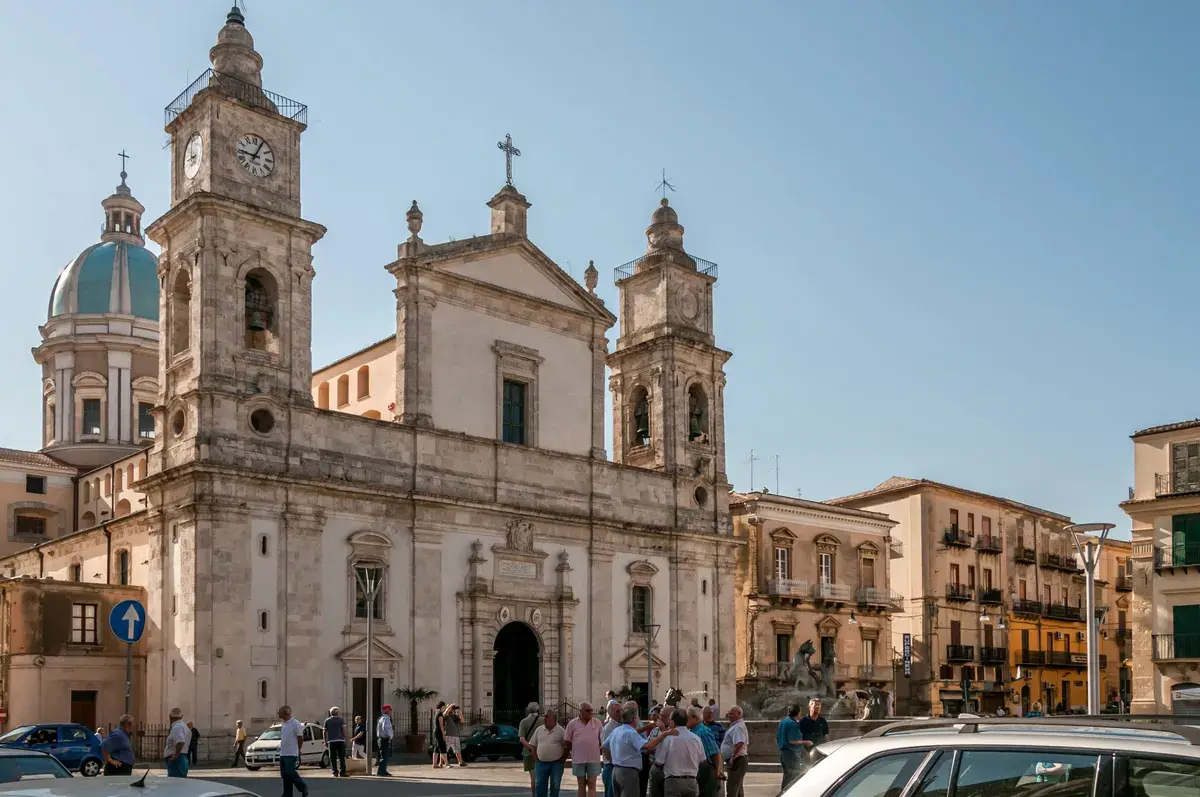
(255, 155)
(689, 305)
(193, 153)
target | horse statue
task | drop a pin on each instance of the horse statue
(802, 673)
(674, 695)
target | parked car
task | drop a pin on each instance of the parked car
(18, 766)
(151, 786)
(1005, 757)
(264, 751)
(492, 742)
(75, 746)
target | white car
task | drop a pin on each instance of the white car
(155, 785)
(264, 751)
(1003, 757)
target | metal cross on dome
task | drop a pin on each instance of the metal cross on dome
(123, 158)
(509, 152)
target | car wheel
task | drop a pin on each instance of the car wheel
(253, 769)
(325, 760)
(90, 768)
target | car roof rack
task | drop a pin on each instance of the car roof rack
(1153, 723)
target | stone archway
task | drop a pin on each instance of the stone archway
(516, 672)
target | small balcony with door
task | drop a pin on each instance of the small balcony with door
(957, 654)
(878, 599)
(1028, 608)
(1031, 658)
(1052, 561)
(959, 592)
(1061, 611)
(875, 672)
(989, 543)
(1023, 555)
(830, 593)
(1183, 550)
(1124, 582)
(991, 596)
(1182, 643)
(993, 655)
(788, 588)
(956, 537)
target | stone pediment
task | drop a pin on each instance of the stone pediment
(357, 651)
(828, 625)
(642, 567)
(636, 661)
(783, 536)
(868, 548)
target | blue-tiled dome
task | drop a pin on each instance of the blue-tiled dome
(112, 277)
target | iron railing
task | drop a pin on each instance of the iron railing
(788, 587)
(774, 669)
(1025, 555)
(1037, 657)
(240, 90)
(1181, 555)
(991, 596)
(1167, 647)
(1061, 611)
(832, 592)
(1024, 606)
(993, 655)
(875, 672)
(956, 537)
(958, 653)
(1177, 482)
(1124, 583)
(959, 592)
(895, 547)
(1051, 560)
(877, 596)
(626, 270)
(989, 543)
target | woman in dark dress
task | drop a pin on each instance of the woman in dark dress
(439, 737)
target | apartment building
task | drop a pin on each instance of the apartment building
(812, 572)
(1164, 506)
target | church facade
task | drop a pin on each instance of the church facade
(460, 464)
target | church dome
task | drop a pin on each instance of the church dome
(118, 275)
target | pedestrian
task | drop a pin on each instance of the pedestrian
(335, 741)
(708, 775)
(648, 755)
(239, 744)
(177, 739)
(358, 741)
(525, 731)
(193, 744)
(625, 749)
(790, 742)
(117, 748)
(291, 736)
(383, 736)
(710, 722)
(452, 730)
(735, 751)
(712, 703)
(685, 754)
(610, 699)
(439, 737)
(583, 745)
(549, 748)
(99, 735)
(814, 729)
(658, 754)
(611, 722)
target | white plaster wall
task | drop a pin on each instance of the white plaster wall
(512, 271)
(621, 591)
(464, 378)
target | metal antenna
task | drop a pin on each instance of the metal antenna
(752, 460)
(776, 469)
(663, 185)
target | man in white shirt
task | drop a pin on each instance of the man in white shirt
(178, 738)
(383, 738)
(685, 753)
(735, 748)
(291, 737)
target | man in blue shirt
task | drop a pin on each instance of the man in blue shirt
(624, 747)
(708, 775)
(117, 749)
(790, 741)
(710, 722)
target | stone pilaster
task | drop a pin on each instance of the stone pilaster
(1146, 698)
(725, 643)
(427, 608)
(600, 671)
(599, 348)
(414, 349)
(301, 575)
(685, 631)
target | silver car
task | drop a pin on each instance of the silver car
(1044, 757)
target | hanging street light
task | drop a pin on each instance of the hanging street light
(1089, 541)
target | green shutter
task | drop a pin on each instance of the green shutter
(1185, 540)
(1187, 631)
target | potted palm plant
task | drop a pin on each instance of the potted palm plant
(414, 742)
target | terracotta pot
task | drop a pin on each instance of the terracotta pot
(415, 744)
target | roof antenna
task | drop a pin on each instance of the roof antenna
(140, 784)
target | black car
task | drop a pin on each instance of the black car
(492, 742)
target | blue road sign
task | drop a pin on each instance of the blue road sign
(127, 621)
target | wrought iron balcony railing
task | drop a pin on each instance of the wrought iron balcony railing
(788, 587)
(832, 592)
(1051, 560)
(1061, 611)
(959, 592)
(1024, 606)
(991, 596)
(627, 270)
(876, 596)
(1177, 482)
(989, 543)
(875, 672)
(993, 655)
(957, 653)
(1167, 557)
(240, 90)
(1124, 583)
(1031, 657)
(956, 537)
(1172, 647)
(1025, 555)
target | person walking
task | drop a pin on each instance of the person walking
(685, 754)
(193, 744)
(239, 744)
(735, 750)
(708, 775)
(525, 730)
(117, 748)
(358, 741)
(335, 741)
(439, 737)
(549, 747)
(383, 735)
(177, 739)
(291, 736)
(452, 730)
(582, 738)
(814, 730)
(790, 742)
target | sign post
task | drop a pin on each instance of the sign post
(127, 621)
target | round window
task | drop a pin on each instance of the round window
(178, 422)
(701, 497)
(262, 421)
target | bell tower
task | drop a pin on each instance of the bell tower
(667, 377)
(236, 264)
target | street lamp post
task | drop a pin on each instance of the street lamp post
(651, 633)
(1089, 548)
(369, 582)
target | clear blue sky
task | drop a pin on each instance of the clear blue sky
(956, 240)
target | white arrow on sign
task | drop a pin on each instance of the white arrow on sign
(132, 617)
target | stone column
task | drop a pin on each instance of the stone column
(1146, 698)
(563, 620)
(414, 349)
(64, 397)
(427, 609)
(601, 643)
(599, 347)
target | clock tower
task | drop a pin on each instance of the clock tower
(236, 263)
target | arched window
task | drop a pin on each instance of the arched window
(123, 508)
(640, 416)
(369, 575)
(181, 313)
(261, 319)
(374, 414)
(641, 613)
(129, 475)
(96, 488)
(123, 567)
(364, 382)
(87, 492)
(323, 395)
(697, 415)
(87, 520)
(77, 572)
(343, 396)
(142, 469)
(119, 477)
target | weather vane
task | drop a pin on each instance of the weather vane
(664, 184)
(509, 152)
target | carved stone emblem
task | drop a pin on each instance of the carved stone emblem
(520, 535)
(505, 614)
(536, 617)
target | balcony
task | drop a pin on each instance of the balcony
(1031, 657)
(1175, 647)
(832, 593)
(991, 596)
(1124, 635)
(1060, 611)
(989, 543)
(1070, 564)
(993, 655)
(1066, 658)
(1177, 482)
(878, 598)
(958, 653)
(875, 672)
(1025, 555)
(1169, 557)
(788, 588)
(959, 592)
(1023, 606)
(1124, 583)
(957, 538)
(1051, 560)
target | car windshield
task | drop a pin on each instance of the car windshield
(30, 767)
(269, 735)
(15, 734)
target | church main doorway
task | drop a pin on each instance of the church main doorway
(516, 673)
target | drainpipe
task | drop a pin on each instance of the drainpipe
(41, 562)
(107, 555)
(75, 503)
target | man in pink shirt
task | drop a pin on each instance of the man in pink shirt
(583, 746)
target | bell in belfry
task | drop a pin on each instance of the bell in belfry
(258, 306)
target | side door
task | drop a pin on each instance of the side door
(1156, 776)
(44, 738)
(1026, 772)
(314, 744)
(74, 743)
